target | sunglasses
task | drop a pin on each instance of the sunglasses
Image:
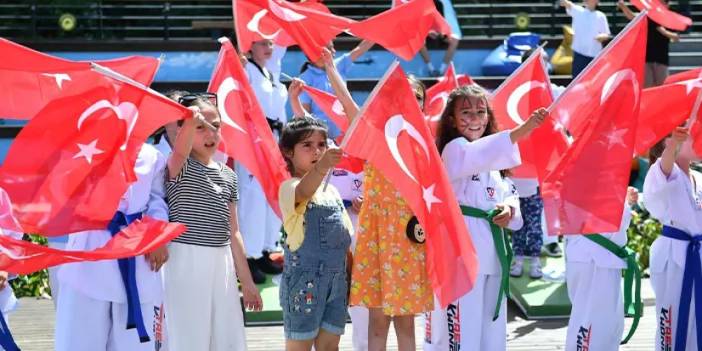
(189, 99)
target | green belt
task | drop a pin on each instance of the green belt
(632, 307)
(502, 248)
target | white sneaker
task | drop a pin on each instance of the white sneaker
(517, 267)
(535, 268)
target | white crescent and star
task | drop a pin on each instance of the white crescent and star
(88, 151)
(444, 99)
(125, 111)
(691, 84)
(516, 97)
(285, 13)
(338, 108)
(393, 127)
(615, 80)
(616, 137)
(255, 22)
(227, 86)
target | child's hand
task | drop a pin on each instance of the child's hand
(621, 3)
(537, 118)
(295, 88)
(680, 134)
(252, 298)
(327, 58)
(505, 215)
(3, 279)
(632, 196)
(157, 258)
(330, 159)
(356, 204)
(243, 59)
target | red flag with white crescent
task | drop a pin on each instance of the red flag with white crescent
(659, 12)
(391, 134)
(246, 135)
(437, 97)
(584, 192)
(30, 79)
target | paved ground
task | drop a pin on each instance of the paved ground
(33, 326)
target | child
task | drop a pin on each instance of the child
(594, 281)
(259, 224)
(314, 75)
(202, 298)
(527, 241)
(445, 7)
(591, 31)
(673, 195)
(313, 291)
(92, 313)
(474, 153)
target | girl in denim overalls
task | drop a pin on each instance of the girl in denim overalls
(313, 291)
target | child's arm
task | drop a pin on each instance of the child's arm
(361, 49)
(567, 4)
(310, 182)
(672, 36)
(157, 208)
(183, 143)
(342, 93)
(670, 154)
(523, 130)
(625, 10)
(294, 92)
(252, 298)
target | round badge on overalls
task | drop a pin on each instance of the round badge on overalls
(415, 232)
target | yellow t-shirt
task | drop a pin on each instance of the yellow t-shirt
(294, 217)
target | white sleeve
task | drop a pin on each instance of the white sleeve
(511, 197)
(157, 207)
(657, 188)
(575, 10)
(491, 153)
(13, 234)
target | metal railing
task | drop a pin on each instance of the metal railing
(178, 19)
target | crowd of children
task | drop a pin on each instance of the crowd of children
(345, 247)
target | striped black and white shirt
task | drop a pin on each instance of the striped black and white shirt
(199, 197)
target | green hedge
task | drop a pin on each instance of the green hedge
(642, 231)
(35, 284)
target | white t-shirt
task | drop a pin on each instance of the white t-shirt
(587, 25)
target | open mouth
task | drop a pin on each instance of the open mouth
(475, 129)
(210, 144)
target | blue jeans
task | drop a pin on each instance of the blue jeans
(579, 63)
(314, 288)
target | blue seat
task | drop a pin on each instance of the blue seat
(508, 56)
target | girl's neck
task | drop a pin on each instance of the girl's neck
(204, 159)
(259, 62)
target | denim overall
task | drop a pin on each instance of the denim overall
(313, 291)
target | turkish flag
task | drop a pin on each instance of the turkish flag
(674, 101)
(437, 97)
(246, 135)
(464, 79)
(410, 24)
(310, 25)
(140, 237)
(525, 90)
(659, 13)
(440, 24)
(69, 166)
(30, 79)
(391, 135)
(585, 191)
(330, 105)
(682, 76)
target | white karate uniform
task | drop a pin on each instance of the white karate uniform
(677, 202)
(258, 223)
(8, 301)
(594, 281)
(350, 187)
(92, 311)
(473, 169)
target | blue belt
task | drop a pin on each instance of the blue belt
(7, 343)
(692, 276)
(127, 268)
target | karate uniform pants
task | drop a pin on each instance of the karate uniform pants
(359, 323)
(467, 325)
(87, 324)
(203, 310)
(597, 315)
(667, 286)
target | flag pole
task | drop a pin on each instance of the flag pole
(127, 80)
(605, 51)
(357, 119)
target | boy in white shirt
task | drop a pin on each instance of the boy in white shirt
(591, 32)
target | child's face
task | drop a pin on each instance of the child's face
(307, 152)
(206, 140)
(592, 4)
(470, 117)
(262, 50)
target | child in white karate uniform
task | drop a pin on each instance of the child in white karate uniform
(92, 313)
(594, 281)
(673, 195)
(474, 154)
